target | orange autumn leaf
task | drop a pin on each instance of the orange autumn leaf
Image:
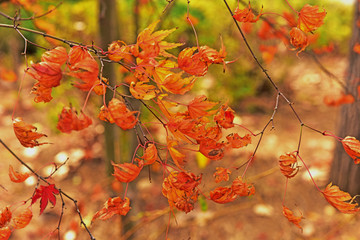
(174, 83)
(118, 50)
(246, 15)
(43, 94)
(191, 63)
(176, 155)
(113, 206)
(181, 190)
(225, 117)
(288, 165)
(290, 216)
(221, 174)
(222, 195)
(23, 219)
(357, 48)
(211, 56)
(212, 149)
(76, 55)
(5, 216)
(105, 115)
(150, 155)
(342, 201)
(7, 75)
(143, 91)
(47, 73)
(57, 55)
(268, 53)
(126, 172)
(87, 71)
(26, 133)
(235, 141)
(5, 233)
(122, 116)
(200, 107)
(152, 43)
(335, 101)
(352, 147)
(298, 39)
(16, 176)
(310, 18)
(242, 189)
(69, 120)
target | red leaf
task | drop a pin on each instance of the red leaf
(289, 215)
(246, 15)
(192, 63)
(5, 233)
(221, 174)
(352, 147)
(23, 219)
(122, 116)
(16, 176)
(70, 121)
(43, 94)
(235, 141)
(225, 117)
(126, 172)
(150, 155)
(212, 149)
(26, 133)
(310, 18)
(241, 188)
(222, 195)
(200, 107)
(298, 39)
(111, 207)
(57, 55)
(357, 48)
(46, 193)
(335, 101)
(342, 201)
(47, 73)
(5, 217)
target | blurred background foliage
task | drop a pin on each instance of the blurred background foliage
(78, 21)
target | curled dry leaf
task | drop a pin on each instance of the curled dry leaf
(181, 190)
(290, 216)
(223, 195)
(225, 117)
(221, 174)
(23, 219)
(5, 216)
(352, 147)
(242, 189)
(43, 94)
(111, 207)
(212, 149)
(122, 116)
(342, 201)
(288, 165)
(298, 39)
(16, 176)
(174, 83)
(126, 172)
(150, 155)
(310, 18)
(26, 133)
(118, 50)
(5, 233)
(69, 120)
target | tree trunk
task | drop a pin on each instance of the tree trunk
(344, 172)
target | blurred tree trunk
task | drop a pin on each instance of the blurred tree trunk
(108, 32)
(344, 172)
